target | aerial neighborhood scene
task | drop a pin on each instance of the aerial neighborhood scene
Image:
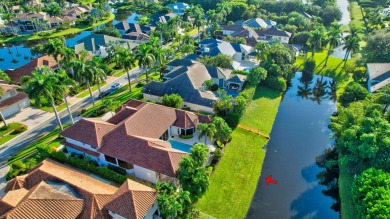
(204, 109)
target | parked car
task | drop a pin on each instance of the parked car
(104, 94)
(116, 86)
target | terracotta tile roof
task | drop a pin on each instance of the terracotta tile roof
(16, 74)
(122, 114)
(187, 119)
(12, 100)
(132, 200)
(89, 131)
(15, 183)
(89, 152)
(58, 191)
(45, 201)
(150, 153)
(8, 87)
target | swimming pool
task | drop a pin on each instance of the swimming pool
(180, 146)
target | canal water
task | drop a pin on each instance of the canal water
(15, 55)
(300, 134)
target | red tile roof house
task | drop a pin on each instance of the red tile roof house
(17, 73)
(53, 190)
(12, 101)
(137, 139)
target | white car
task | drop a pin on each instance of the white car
(116, 86)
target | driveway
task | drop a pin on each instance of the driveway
(30, 116)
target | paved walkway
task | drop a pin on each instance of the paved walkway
(3, 175)
(30, 116)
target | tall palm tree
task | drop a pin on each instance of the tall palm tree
(199, 20)
(334, 37)
(145, 57)
(126, 61)
(64, 82)
(351, 44)
(98, 73)
(225, 8)
(159, 54)
(55, 48)
(206, 131)
(44, 83)
(315, 40)
(84, 73)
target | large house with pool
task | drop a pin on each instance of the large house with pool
(147, 140)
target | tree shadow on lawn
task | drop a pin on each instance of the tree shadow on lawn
(265, 92)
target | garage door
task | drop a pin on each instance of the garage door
(10, 111)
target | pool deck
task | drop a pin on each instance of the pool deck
(194, 140)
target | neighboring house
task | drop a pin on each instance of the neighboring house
(124, 27)
(247, 33)
(274, 33)
(178, 7)
(54, 190)
(96, 44)
(78, 11)
(240, 53)
(257, 23)
(378, 76)
(187, 79)
(137, 138)
(12, 101)
(44, 60)
(162, 18)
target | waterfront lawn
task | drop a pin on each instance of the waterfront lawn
(356, 16)
(73, 30)
(234, 181)
(348, 210)
(334, 68)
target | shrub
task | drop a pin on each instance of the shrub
(83, 111)
(276, 83)
(19, 129)
(140, 84)
(214, 87)
(217, 155)
(209, 169)
(239, 72)
(117, 169)
(186, 136)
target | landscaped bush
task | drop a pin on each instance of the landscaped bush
(186, 136)
(140, 84)
(277, 83)
(117, 169)
(89, 166)
(75, 90)
(217, 155)
(19, 129)
(214, 87)
(240, 72)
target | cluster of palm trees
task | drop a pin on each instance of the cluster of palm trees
(351, 42)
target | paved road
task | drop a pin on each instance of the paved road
(18, 143)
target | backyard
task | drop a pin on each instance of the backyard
(240, 168)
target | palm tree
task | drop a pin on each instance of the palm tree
(334, 37)
(159, 55)
(64, 82)
(225, 7)
(44, 83)
(126, 61)
(7, 17)
(315, 40)
(55, 48)
(206, 131)
(84, 73)
(98, 72)
(351, 44)
(198, 16)
(145, 57)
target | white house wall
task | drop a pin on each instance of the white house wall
(150, 213)
(80, 144)
(146, 174)
(115, 216)
(9, 111)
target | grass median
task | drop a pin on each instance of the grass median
(234, 181)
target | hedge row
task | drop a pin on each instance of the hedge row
(89, 166)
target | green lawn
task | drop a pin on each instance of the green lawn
(10, 128)
(334, 68)
(93, 88)
(356, 16)
(72, 30)
(43, 139)
(233, 183)
(348, 210)
(122, 95)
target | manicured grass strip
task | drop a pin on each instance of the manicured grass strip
(233, 183)
(29, 149)
(348, 210)
(122, 95)
(334, 68)
(72, 30)
(11, 127)
(356, 16)
(93, 88)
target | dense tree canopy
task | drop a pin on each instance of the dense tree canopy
(378, 49)
(256, 75)
(353, 92)
(220, 60)
(172, 100)
(371, 194)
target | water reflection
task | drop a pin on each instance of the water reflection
(321, 90)
(298, 136)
